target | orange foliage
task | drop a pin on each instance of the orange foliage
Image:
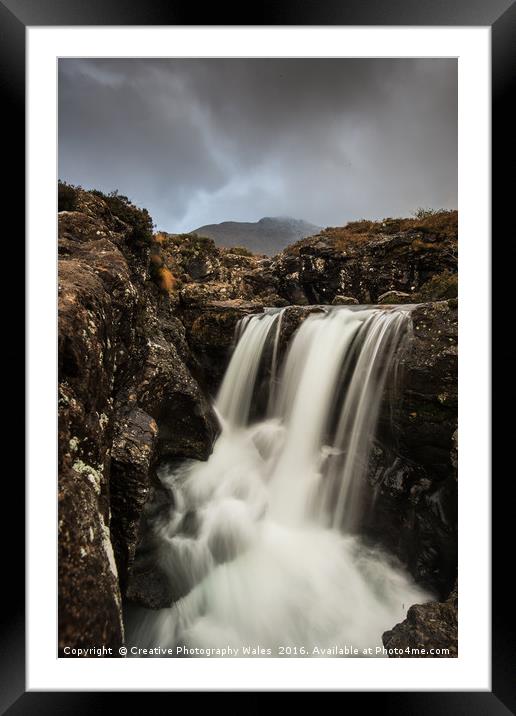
(165, 279)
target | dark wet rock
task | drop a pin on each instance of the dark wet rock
(150, 584)
(165, 388)
(132, 458)
(426, 418)
(210, 334)
(159, 575)
(432, 626)
(150, 588)
(291, 320)
(415, 518)
(412, 471)
(454, 455)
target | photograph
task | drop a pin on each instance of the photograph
(257, 357)
(263, 260)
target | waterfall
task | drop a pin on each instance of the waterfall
(275, 558)
(309, 380)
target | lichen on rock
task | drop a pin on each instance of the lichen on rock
(123, 375)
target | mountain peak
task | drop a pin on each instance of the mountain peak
(269, 235)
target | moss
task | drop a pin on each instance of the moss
(439, 288)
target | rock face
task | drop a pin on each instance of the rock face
(429, 631)
(216, 287)
(412, 470)
(150, 585)
(132, 458)
(211, 335)
(206, 273)
(367, 259)
(122, 375)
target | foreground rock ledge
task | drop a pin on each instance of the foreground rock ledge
(429, 631)
(123, 374)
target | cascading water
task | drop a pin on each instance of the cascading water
(264, 535)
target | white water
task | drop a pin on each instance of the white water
(272, 559)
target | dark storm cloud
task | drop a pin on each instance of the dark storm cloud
(202, 141)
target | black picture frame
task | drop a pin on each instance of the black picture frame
(500, 15)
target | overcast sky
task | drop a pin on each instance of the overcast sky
(203, 141)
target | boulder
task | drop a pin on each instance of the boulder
(430, 628)
(394, 297)
(339, 300)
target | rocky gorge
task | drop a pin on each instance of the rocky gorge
(146, 326)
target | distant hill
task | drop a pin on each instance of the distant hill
(269, 235)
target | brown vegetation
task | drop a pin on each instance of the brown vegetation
(439, 226)
(165, 279)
